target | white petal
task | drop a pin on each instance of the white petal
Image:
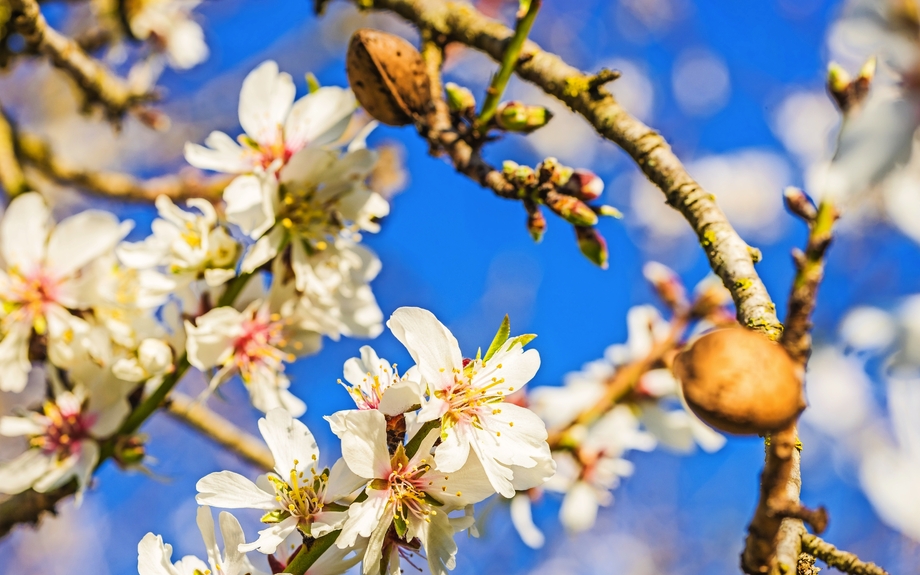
(522, 519)
(430, 344)
(454, 450)
(364, 444)
(319, 118)
(14, 358)
(24, 231)
(232, 491)
(229, 158)
(16, 426)
(235, 562)
(205, 522)
(440, 545)
(83, 238)
(249, 203)
(342, 481)
(19, 474)
(271, 537)
(579, 508)
(364, 518)
(289, 440)
(399, 398)
(154, 556)
(263, 251)
(265, 100)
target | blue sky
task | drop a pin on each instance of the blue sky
(452, 247)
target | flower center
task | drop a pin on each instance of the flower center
(259, 345)
(467, 399)
(406, 492)
(29, 294)
(67, 427)
(300, 496)
(370, 392)
(305, 216)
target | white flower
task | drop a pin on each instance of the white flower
(468, 399)
(63, 438)
(154, 359)
(169, 26)
(155, 557)
(188, 245)
(295, 496)
(409, 493)
(254, 343)
(375, 384)
(522, 519)
(276, 127)
(40, 282)
(319, 196)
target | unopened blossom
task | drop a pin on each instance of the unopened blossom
(408, 496)
(187, 246)
(168, 25)
(467, 398)
(40, 283)
(64, 435)
(155, 557)
(153, 360)
(254, 343)
(374, 383)
(276, 127)
(297, 495)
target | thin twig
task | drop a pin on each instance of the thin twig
(197, 416)
(729, 256)
(773, 543)
(37, 153)
(98, 83)
(11, 176)
(509, 61)
(838, 559)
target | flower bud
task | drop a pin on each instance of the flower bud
(711, 301)
(584, 185)
(459, 98)
(667, 284)
(592, 245)
(738, 381)
(571, 208)
(520, 176)
(800, 204)
(129, 451)
(155, 356)
(609, 211)
(849, 92)
(519, 117)
(536, 221)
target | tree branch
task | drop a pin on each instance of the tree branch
(774, 536)
(842, 560)
(197, 416)
(98, 83)
(11, 175)
(729, 256)
(37, 153)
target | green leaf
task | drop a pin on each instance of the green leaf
(522, 339)
(500, 338)
(276, 516)
(312, 83)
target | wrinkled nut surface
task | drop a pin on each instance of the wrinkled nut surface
(738, 381)
(388, 77)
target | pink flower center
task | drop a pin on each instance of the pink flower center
(34, 291)
(67, 428)
(259, 345)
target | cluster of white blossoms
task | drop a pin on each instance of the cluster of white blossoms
(236, 290)
(418, 451)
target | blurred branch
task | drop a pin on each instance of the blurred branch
(774, 540)
(11, 175)
(98, 83)
(37, 153)
(30, 506)
(841, 560)
(729, 256)
(197, 416)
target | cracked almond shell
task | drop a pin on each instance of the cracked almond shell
(388, 77)
(738, 381)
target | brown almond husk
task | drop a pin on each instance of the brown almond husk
(740, 382)
(388, 77)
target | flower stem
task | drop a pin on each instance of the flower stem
(308, 555)
(509, 62)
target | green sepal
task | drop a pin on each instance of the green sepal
(400, 524)
(312, 83)
(379, 485)
(430, 500)
(276, 516)
(504, 331)
(522, 339)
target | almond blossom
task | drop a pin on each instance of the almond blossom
(276, 127)
(40, 281)
(297, 495)
(375, 384)
(188, 246)
(467, 397)
(64, 436)
(254, 343)
(155, 557)
(408, 497)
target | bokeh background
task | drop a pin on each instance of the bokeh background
(737, 89)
